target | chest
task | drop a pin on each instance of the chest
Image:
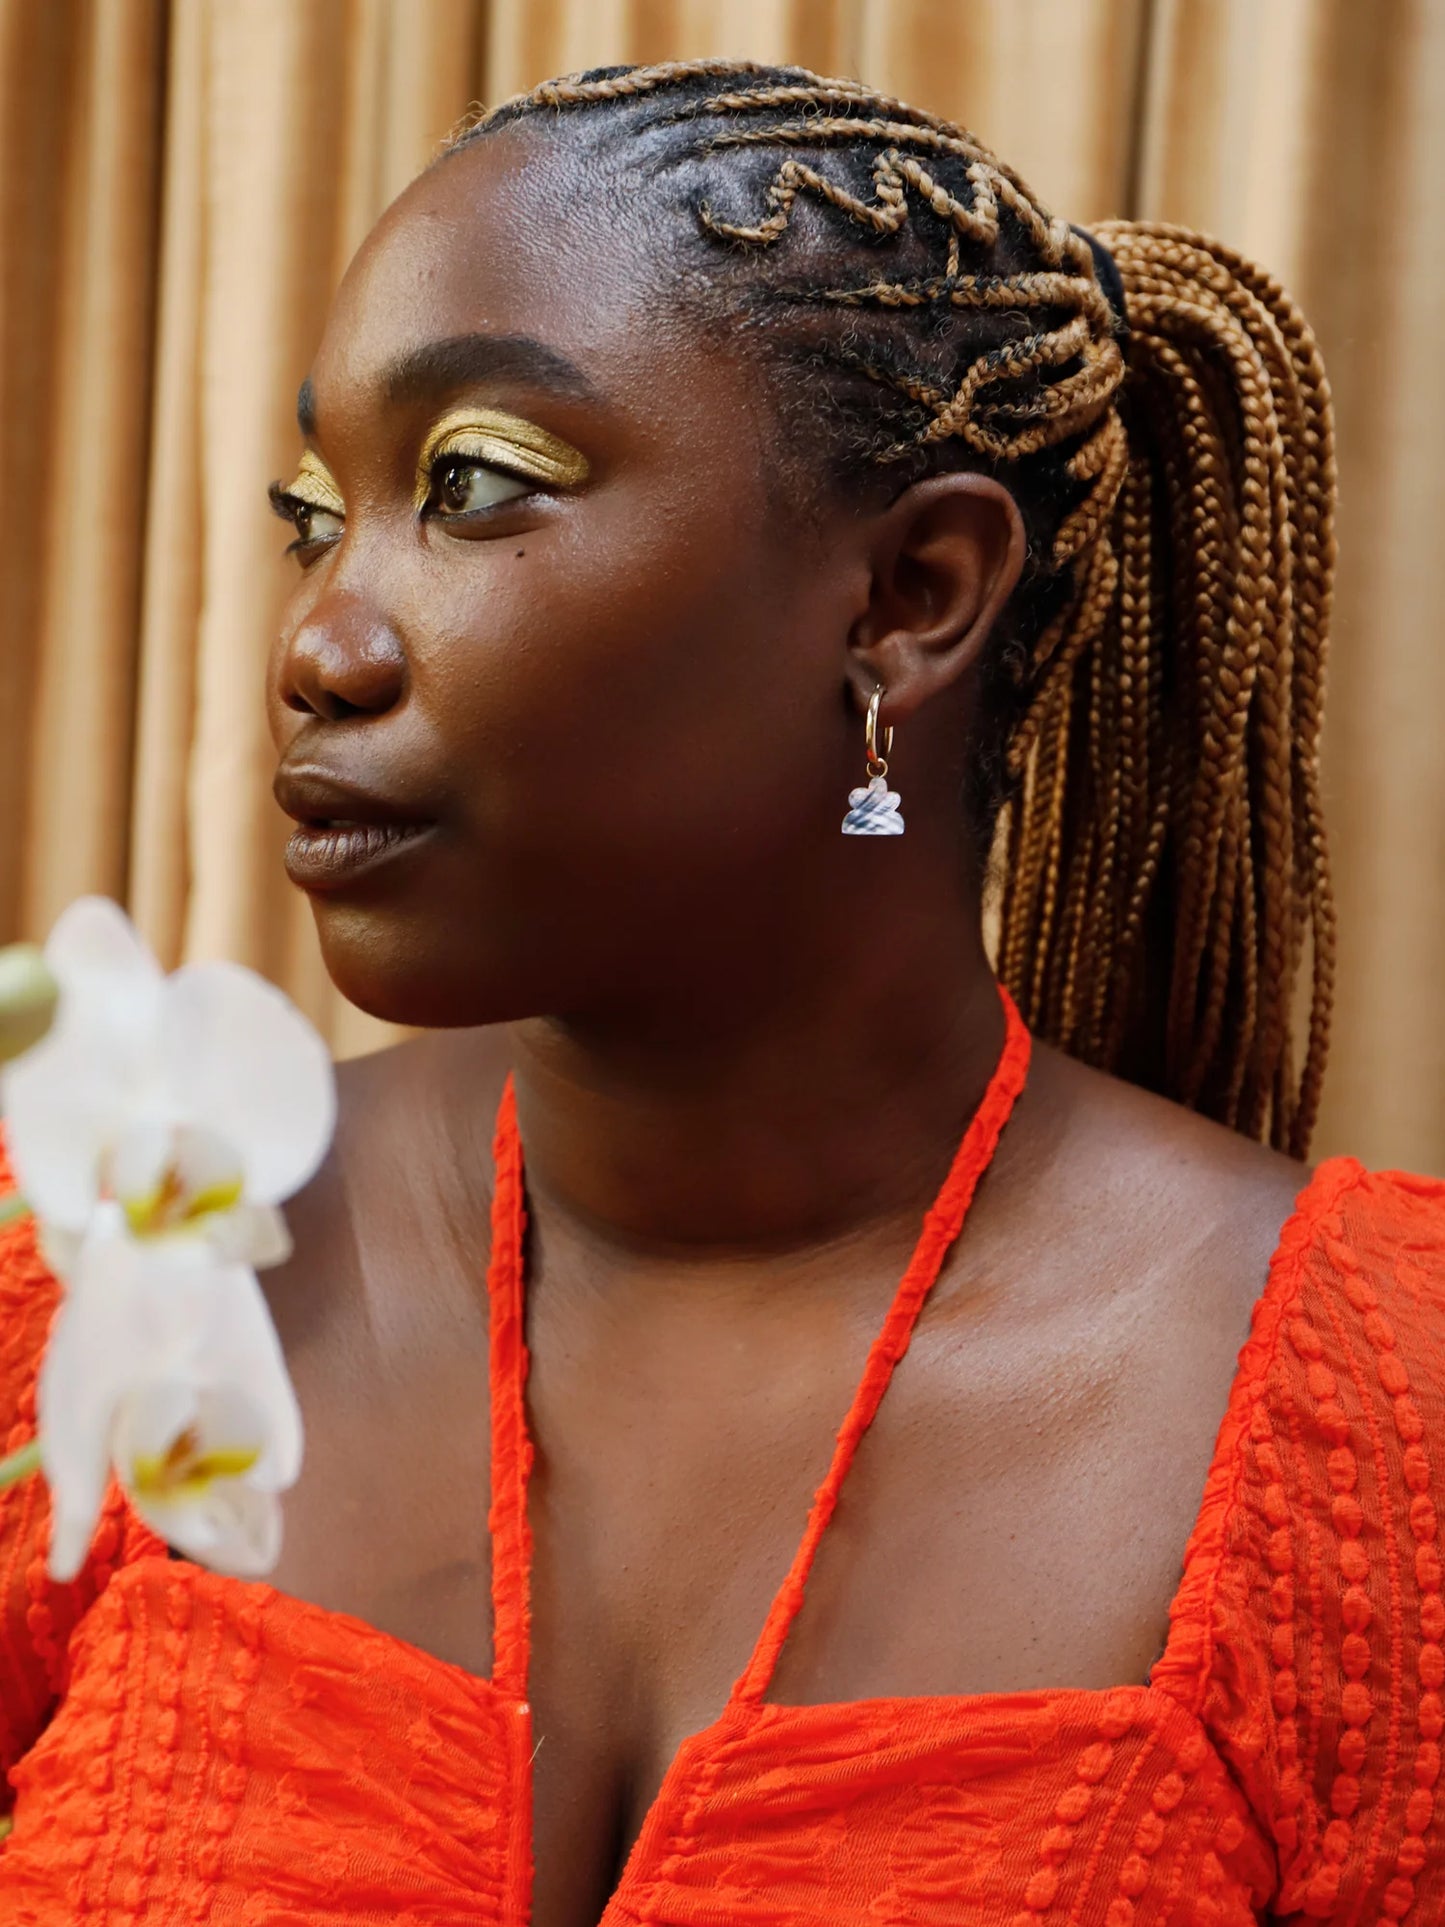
(1013, 1519)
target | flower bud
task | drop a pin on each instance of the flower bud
(28, 995)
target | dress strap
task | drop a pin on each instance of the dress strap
(511, 1442)
(512, 1450)
(940, 1228)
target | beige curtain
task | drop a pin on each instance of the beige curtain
(182, 181)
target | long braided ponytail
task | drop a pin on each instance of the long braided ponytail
(1147, 758)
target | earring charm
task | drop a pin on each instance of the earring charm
(873, 808)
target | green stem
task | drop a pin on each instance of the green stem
(20, 1464)
(12, 1208)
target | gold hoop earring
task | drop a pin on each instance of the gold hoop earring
(873, 809)
(877, 765)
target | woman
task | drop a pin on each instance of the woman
(697, 458)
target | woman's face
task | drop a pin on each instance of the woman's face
(557, 635)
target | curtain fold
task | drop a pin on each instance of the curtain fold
(183, 181)
(76, 404)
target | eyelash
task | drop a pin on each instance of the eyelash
(289, 506)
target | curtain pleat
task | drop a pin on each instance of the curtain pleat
(183, 181)
(84, 445)
(36, 84)
(1309, 133)
(165, 684)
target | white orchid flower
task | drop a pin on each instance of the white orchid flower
(164, 1367)
(197, 1101)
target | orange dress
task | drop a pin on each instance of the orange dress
(184, 1747)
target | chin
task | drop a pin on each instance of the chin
(420, 973)
(387, 967)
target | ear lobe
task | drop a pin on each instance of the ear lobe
(946, 559)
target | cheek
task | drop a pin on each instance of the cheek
(670, 681)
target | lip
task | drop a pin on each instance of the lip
(330, 858)
(344, 830)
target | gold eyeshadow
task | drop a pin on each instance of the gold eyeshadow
(502, 441)
(315, 487)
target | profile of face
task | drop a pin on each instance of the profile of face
(571, 638)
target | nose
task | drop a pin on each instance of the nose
(342, 660)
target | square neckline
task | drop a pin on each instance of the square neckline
(1318, 1196)
(1179, 1677)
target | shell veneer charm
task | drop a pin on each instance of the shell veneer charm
(873, 811)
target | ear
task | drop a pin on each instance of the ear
(945, 558)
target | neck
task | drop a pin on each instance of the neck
(809, 1112)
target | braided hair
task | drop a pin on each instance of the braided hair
(1146, 759)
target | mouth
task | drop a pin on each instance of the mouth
(343, 829)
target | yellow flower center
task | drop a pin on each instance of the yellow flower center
(185, 1470)
(167, 1206)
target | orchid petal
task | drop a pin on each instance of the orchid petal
(193, 1456)
(241, 1349)
(207, 1325)
(136, 1158)
(74, 1453)
(100, 960)
(152, 1415)
(59, 1247)
(147, 1336)
(251, 1234)
(96, 1346)
(238, 1058)
(65, 1099)
(173, 1180)
(235, 1529)
(63, 1102)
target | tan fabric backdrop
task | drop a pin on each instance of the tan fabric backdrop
(182, 181)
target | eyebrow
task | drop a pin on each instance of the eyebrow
(437, 366)
(440, 365)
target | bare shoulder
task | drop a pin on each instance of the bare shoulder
(1163, 1190)
(1068, 1387)
(440, 1080)
(381, 1311)
(418, 1111)
(407, 1176)
(1158, 1164)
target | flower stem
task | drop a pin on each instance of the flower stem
(12, 1208)
(20, 1464)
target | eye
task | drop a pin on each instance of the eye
(315, 524)
(316, 527)
(462, 487)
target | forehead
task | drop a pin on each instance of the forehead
(515, 236)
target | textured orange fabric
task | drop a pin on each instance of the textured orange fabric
(187, 1747)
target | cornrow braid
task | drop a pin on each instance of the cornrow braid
(1145, 767)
